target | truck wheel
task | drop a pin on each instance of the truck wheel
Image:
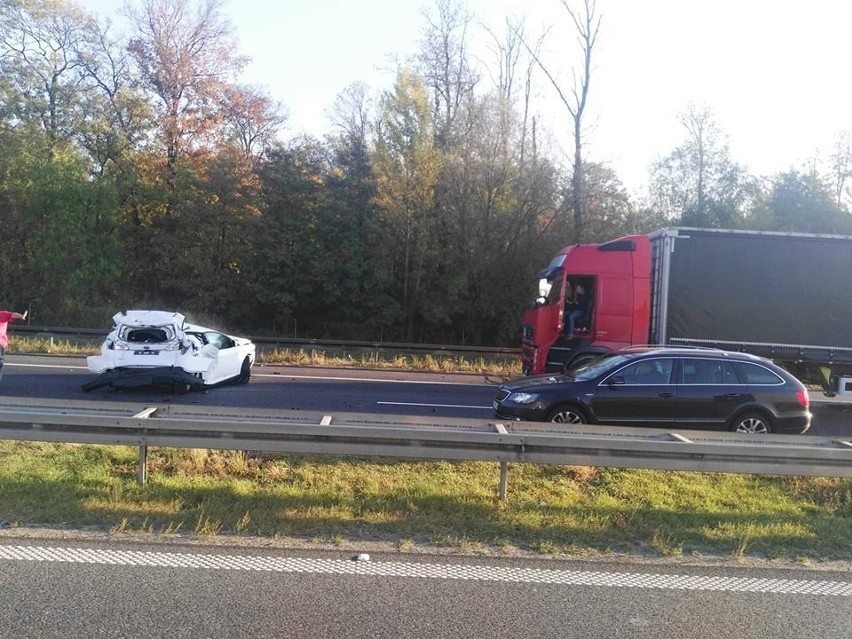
(577, 363)
(752, 422)
(567, 415)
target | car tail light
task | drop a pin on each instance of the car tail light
(802, 396)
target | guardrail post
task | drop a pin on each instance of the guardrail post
(142, 475)
(143, 464)
(502, 491)
(504, 480)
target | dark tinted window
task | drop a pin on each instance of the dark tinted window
(147, 336)
(647, 371)
(218, 340)
(757, 375)
(709, 371)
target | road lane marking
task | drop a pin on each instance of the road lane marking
(427, 571)
(434, 405)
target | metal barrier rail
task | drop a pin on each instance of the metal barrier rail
(385, 436)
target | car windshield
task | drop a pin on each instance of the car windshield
(600, 366)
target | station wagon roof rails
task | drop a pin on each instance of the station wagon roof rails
(642, 347)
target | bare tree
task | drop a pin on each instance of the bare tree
(40, 45)
(841, 167)
(698, 122)
(587, 26)
(446, 67)
(698, 184)
(508, 52)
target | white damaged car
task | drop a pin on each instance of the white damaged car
(148, 348)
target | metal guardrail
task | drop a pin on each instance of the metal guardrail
(400, 437)
(96, 336)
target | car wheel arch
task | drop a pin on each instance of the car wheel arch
(245, 371)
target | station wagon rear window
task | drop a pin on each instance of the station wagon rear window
(148, 335)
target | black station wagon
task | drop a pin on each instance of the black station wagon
(664, 387)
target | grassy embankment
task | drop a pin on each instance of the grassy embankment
(551, 509)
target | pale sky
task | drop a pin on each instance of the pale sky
(774, 72)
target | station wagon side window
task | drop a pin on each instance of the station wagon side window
(647, 371)
(757, 375)
(709, 371)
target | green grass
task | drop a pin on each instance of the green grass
(505, 367)
(551, 509)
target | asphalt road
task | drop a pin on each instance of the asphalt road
(320, 389)
(60, 588)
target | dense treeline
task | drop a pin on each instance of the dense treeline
(137, 171)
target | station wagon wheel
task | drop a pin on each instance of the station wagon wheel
(245, 372)
(752, 423)
(567, 414)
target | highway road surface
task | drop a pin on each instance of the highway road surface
(319, 389)
(61, 588)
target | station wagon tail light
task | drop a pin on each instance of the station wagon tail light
(802, 396)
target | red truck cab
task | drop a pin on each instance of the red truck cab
(617, 274)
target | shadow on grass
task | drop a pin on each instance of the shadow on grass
(228, 506)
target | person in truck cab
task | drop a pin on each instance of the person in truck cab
(578, 309)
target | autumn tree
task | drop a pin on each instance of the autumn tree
(354, 233)
(407, 164)
(252, 119)
(184, 51)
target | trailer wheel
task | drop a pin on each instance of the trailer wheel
(567, 414)
(752, 423)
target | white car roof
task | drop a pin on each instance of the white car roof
(148, 318)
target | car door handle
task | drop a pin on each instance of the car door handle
(732, 395)
(666, 395)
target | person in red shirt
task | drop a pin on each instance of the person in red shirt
(5, 318)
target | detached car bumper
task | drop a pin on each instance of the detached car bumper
(139, 377)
